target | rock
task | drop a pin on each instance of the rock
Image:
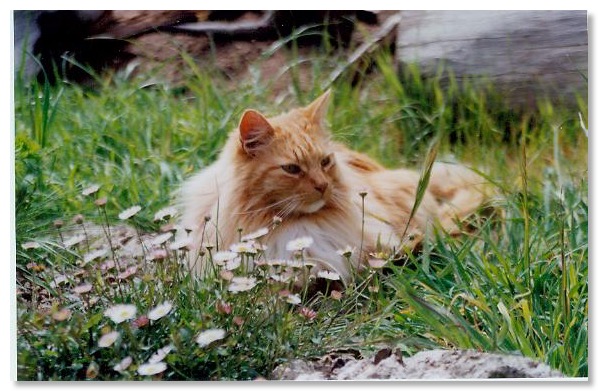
(431, 364)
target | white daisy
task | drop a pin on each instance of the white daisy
(221, 257)
(208, 336)
(293, 264)
(243, 248)
(165, 213)
(329, 275)
(93, 255)
(108, 339)
(232, 264)
(161, 239)
(157, 254)
(123, 364)
(276, 262)
(160, 354)
(121, 312)
(182, 244)
(309, 264)
(83, 288)
(160, 311)
(241, 284)
(30, 245)
(151, 368)
(90, 190)
(255, 235)
(293, 299)
(346, 252)
(300, 243)
(128, 272)
(280, 277)
(188, 228)
(107, 265)
(260, 248)
(376, 263)
(173, 228)
(130, 212)
(59, 279)
(101, 201)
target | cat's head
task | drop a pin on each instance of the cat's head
(287, 162)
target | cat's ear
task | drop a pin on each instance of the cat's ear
(255, 132)
(316, 110)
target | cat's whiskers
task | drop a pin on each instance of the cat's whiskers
(270, 206)
(289, 208)
(284, 207)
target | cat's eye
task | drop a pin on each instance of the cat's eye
(291, 168)
(326, 161)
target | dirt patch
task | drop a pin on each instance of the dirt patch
(236, 57)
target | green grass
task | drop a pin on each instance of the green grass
(517, 283)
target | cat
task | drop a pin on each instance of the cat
(287, 172)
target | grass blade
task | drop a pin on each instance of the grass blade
(424, 180)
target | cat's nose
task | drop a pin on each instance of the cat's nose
(321, 187)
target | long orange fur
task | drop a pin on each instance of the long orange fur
(247, 187)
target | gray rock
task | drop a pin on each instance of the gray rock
(431, 365)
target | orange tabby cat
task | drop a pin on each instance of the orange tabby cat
(289, 167)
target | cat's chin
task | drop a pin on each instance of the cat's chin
(313, 207)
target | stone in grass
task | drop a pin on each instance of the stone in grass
(430, 364)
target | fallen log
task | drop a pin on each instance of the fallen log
(528, 55)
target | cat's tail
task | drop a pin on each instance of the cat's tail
(460, 192)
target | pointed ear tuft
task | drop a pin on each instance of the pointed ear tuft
(316, 110)
(255, 132)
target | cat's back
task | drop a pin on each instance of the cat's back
(358, 161)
